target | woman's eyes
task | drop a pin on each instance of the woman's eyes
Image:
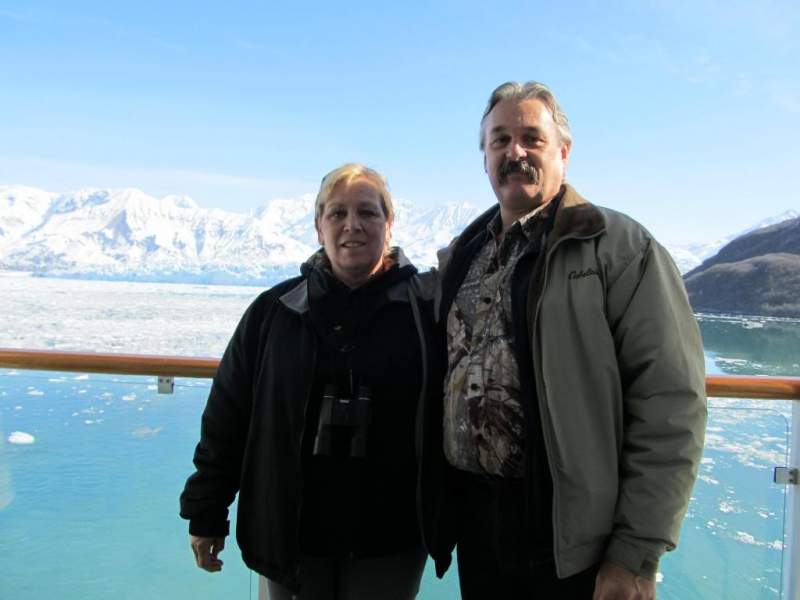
(364, 212)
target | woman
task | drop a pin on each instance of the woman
(311, 415)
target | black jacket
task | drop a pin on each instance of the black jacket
(256, 422)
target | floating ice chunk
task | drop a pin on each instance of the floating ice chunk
(746, 538)
(35, 392)
(707, 461)
(775, 545)
(88, 421)
(659, 577)
(18, 407)
(129, 397)
(20, 437)
(146, 432)
(82, 377)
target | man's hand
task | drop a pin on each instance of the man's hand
(616, 583)
(206, 550)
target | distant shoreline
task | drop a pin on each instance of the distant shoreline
(264, 285)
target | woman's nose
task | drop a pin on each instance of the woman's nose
(352, 222)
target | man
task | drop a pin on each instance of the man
(574, 408)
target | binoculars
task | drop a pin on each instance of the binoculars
(343, 422)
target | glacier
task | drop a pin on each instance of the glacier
(126, 234)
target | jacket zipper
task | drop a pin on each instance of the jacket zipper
(418, 431)
(300, 481)
(540, 388)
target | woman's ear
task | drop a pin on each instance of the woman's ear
(319, 232)
(388, 235)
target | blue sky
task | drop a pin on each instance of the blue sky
(685, 115)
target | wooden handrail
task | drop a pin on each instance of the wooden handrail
(724, 386)
(757, 387)
(96, 362)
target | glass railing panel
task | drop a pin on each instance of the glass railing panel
(91, 467)
(446, 588)
(731, 545)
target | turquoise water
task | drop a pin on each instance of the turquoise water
(89, 509)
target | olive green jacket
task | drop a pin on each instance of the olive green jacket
(619, 369)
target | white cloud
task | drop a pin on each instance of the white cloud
(787, 100)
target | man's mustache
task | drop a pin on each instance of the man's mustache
(522, 166)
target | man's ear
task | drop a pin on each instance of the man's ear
(566, 148)
(485, 166)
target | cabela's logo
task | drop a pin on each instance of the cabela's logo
(583, 273)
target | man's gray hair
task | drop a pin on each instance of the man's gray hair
(514, 90)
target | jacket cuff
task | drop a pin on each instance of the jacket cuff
(636, 559)
(205, 528)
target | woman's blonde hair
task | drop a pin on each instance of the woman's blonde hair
(345, 175)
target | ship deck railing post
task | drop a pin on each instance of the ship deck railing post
(791, 548)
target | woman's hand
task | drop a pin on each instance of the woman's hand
(206, 550)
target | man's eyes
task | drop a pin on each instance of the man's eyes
(499, 141)
(527, 140)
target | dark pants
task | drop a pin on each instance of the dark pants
(496, 558)
(394, 577)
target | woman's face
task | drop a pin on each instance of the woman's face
(354, 231)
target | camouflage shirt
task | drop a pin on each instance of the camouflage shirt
(484, 428)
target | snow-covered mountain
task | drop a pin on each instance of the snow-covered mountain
(126, 234)
(21, 209)
(689, 256)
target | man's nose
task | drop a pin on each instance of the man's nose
(515, 151)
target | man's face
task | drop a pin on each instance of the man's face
(523, 154)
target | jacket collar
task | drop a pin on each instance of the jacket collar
(296, 299)
(575, 217)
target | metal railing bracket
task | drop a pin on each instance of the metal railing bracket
(786, 476)
(166, 385)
